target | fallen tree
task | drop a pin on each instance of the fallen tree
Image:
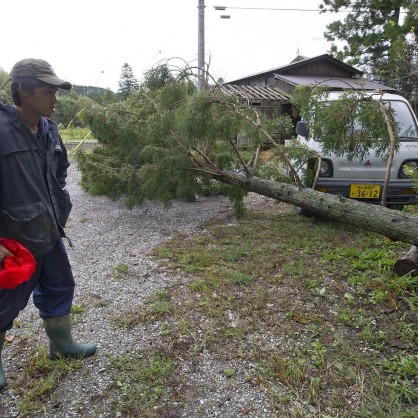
(170, 142)
(400, 226)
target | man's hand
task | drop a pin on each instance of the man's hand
(3, 252)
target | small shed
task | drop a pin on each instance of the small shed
(263, 89)
(270, 100)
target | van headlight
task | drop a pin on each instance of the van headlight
(325, 169)
(408, 168)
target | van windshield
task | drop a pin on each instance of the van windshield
(407, 127)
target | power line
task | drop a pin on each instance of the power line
(283, 9)
(266, 8)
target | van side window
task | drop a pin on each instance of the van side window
(407, 128)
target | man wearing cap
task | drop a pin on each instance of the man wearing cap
(34, 205)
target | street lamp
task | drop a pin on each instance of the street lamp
(222, 8)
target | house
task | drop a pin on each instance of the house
(271, 90)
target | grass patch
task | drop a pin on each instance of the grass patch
(305, 310)
(37, 380)
(312, 303)
(73, 134)
(120, 271)
(141, 380)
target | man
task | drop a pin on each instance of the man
(34, 205)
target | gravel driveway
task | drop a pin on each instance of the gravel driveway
(105, 234)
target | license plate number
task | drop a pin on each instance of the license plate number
(365, 191)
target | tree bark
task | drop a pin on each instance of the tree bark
(400, 226)
(408, 264)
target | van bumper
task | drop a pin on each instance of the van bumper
(399, 192)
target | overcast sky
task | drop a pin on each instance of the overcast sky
(88, 41)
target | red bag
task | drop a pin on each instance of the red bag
(18, 268)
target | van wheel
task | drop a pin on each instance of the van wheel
(303, 212)
(395, 207)
(309, 214)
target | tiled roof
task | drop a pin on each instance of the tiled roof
(333, 83)
(255, 93)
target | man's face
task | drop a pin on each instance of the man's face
(41, 102)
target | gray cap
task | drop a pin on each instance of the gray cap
(39, 69)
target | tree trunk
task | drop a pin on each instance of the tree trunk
(408, 263)
(400, 226)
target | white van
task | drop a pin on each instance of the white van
(363, 179)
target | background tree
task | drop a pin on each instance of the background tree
(69, 107)
(5, 93)
(127, 83)
(401, 71)
(172, 142)
(374, 35)
(156, 78)
(97, 94)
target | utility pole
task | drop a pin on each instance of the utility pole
(201, 46)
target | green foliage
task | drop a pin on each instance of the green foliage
(414, 174)
(105, 179)
(97, 94)
(41, 378)
(165, 143)
(74, 134)
(3, 76)
(156, 78)
(168, 141)
(403, 372)
(281, 128)
(69, 107)
(380, 36)
(351, 125)
(137, 158)
(127, 83)
(5, 93)
(401, 69)
(333, 339)
(141, 381)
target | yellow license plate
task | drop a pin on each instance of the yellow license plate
(365, 191)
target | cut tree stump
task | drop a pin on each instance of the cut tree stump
(408, 264)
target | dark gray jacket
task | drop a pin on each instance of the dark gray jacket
(34, 206)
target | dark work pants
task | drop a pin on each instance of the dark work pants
(52, 285)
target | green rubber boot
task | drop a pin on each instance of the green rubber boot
(2, 373)
(61, 343)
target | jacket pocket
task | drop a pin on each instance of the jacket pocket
(30, 224)
(62, 204)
